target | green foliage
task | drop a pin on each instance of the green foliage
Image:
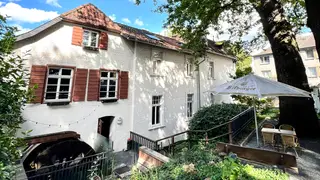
(200, 163)
(214, 115)
(13, 95)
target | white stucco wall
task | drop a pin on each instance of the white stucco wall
(173, 85)
(54, 47)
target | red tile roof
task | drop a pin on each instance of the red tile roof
(89, 14)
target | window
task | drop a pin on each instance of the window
(59, 82)
(265, 60)
(312, 72)
(266, 74)
(108, 85)
(189, 67)
(157, 58)
(211, 70)
(189, 105)
(90, 38)
(212, 98)
(156, 110)
(310, 54)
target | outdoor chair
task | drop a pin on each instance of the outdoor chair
(289, 141)
(268, 138)
(286, 127)
(268, 125)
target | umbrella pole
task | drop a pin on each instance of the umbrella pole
(255, 120)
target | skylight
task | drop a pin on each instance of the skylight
(152, 36)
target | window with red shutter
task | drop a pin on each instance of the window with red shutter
(59, 84)
(77, 35)
(108, 85)
(38, 78)
(80, 85)
(103, 44)
(93, 85)
(124, 84)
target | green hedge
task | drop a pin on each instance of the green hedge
(214, 115)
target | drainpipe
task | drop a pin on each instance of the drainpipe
(199, 83)
(133, 77)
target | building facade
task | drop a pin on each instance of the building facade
(103, 79)
(263, 64)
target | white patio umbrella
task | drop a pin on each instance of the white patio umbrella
(252, 85)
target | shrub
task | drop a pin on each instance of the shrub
(214, 115)
(200, 163)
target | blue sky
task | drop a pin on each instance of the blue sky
(28, 14)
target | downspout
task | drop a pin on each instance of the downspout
(198, 82)
(133, 83)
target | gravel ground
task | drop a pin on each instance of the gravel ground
(308, 158)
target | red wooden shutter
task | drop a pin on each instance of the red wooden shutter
(124, 84)
(77, 36)
(93, 85)
(103, 44)
(80, 85)
(38, 77)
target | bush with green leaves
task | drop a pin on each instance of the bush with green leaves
(214, 115)
(200, 163)
(13, 96)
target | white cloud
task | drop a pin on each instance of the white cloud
(133, 1)
(14, 0)
(126, 20)
(138, 22)
(112, 17)
(20, 14)
(53, 3)
(21, 29)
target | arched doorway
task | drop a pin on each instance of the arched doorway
(104, 124)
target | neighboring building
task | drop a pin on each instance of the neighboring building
(96, 76)
(264, 65)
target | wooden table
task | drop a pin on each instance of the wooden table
(278, 131)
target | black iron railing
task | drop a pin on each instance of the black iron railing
(234, 128)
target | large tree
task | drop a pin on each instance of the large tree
(191, 20)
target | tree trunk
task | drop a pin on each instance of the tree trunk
(313, 7)
(296, 111)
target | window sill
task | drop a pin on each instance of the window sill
(91, 48)
(264, 63)
(156, 75)
(309, 59)
(57, 103)
(190, 77)
(156, 127)
(108, 100)
(312, 77)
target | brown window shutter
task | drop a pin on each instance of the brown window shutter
(77, 36)
(124, 84)
(93, 85)
(80, 85)
(38, 77)
(103, 44)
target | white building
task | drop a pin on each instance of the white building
(263, 64)
(97, 76)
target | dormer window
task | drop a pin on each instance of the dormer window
(90, 38)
